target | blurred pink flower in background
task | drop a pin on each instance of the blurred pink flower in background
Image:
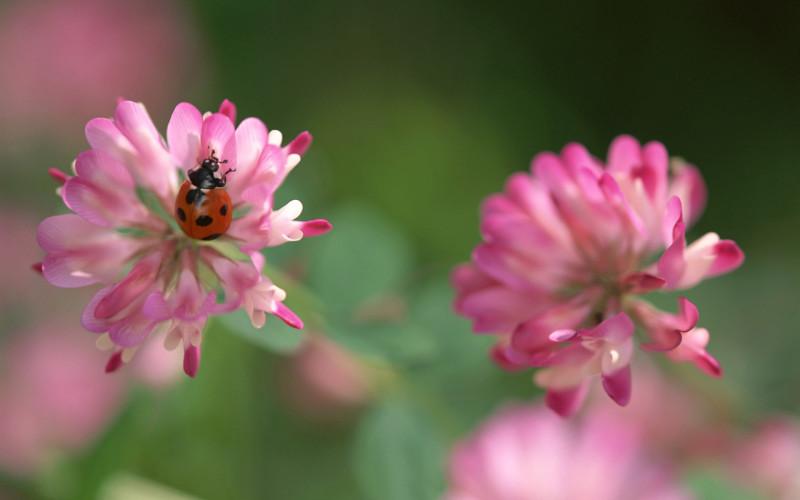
(65, 61)
(768, 460)
(324, 381)
(123, 233)
(527, 453)
(678, 421)
(566, 252)
(51, 399)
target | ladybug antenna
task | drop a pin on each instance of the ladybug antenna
(212, 156)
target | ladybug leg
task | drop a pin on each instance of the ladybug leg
(225, 176)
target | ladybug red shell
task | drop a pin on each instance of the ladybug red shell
(203, 211)
(203, 214)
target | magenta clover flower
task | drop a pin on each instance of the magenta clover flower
(123, 232)
(567, 251)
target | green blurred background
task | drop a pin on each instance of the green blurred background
(419, 110)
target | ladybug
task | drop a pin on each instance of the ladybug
(203, 211)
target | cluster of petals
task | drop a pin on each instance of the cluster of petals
(567, 251)
(527, 452)
(122, 233)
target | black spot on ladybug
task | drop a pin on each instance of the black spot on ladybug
(223, 210)
(181, 215)
(203, 220)
(212, 236)
(195, 196)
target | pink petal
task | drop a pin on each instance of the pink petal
(577, 158)
(673, 215)
(499, 355)
(132, 120)
(708, 364)
(533, 334)
(642, 282)
(133, 286)
(183, 135)
(497, 309)
(299, 144)
(654, 171)
(624, 155)
(728, 256)
(672, 264)
(315, 227)
(104, 193)
(550, 171)
(228, 109)
(81, 253)
(617, 198)
(88, 318)
(617, 385)
(664, 339)
(103, 135)
(288, 317)
(131, 330)
(693, 349)
(114, 362)
(564, 335)
(688, 185)
(251, 138)
(616, 329)
(58, 175)
(688, 315)
(566, 402)
(272, 165)
(706, 257)
(217, 136)
(156, 308)
(191, 360)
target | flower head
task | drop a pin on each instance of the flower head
(527, 452)
(567, 251)
(123, 233)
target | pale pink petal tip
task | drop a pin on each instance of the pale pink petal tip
(114, 362)
(191, 360)
(299, 144)
(315, 227)
(228, 109)
(120, 100)
(58, 175)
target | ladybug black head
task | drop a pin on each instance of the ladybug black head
(211, 163)
(203, 176)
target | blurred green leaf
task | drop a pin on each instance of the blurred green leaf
(404, 342)
(275, 335)
(709, 486)
(397, 454)
(364, 256)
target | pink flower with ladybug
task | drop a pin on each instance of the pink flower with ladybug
(171, 237)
